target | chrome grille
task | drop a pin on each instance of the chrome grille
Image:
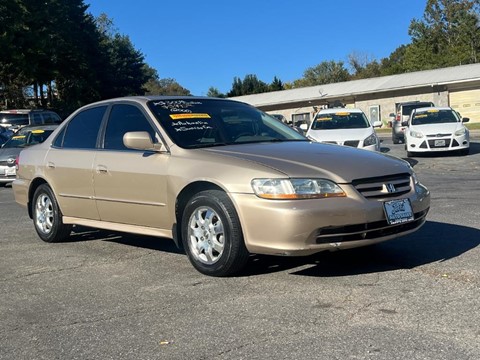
(384, 186)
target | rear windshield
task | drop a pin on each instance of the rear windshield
(434, 117)
(193, 123)
(340, 120)
(14, 119)
(407, 109)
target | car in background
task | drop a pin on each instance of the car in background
(349, 127)
(280, 117)
(220, 177)
(5, 134)
(436, 129)
(402, 113)
(23, 138)
(15, 119)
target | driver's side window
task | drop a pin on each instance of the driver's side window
(125, 118)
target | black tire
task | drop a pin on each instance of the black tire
(219, 248)
(47, 217)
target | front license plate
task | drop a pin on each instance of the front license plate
(10, 171)
(398, 211)
(439, 143)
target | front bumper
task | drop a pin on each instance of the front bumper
(7, 174)
(434, 143)
(305, 227)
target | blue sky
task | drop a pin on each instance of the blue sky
(207, 43)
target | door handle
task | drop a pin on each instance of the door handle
(101, 169)
(50, 165)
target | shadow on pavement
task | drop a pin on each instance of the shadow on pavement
(81, 233)
(432, 243)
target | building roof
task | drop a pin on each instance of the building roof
(437, 77)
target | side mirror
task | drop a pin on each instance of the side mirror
(304, 127)
(465, 120)
(377, 123)
(404, 123)
(141, 140)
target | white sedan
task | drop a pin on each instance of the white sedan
(436, 129)
(349, 127)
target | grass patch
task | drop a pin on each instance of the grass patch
(473, 126)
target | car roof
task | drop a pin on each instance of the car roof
(339, 110)
(23, 111)
(414, 102)
(430, 108)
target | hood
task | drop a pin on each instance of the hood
(340, 135)
(6, 153)
(341, 164)
(434, 129)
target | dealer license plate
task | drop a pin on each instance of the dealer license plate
(439, 143)
(398, 211)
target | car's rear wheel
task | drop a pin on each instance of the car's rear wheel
(212, 235)
(47, 216)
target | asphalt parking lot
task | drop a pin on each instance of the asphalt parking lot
(107, 295)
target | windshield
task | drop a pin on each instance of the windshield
(434, 117)
(212, 122)
(340, 120)
(31, 137)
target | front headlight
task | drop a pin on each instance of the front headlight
(291, 189)
(371, 140)
(416, 134)
(415, 178)
(460, 132)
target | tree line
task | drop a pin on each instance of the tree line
(56, 54)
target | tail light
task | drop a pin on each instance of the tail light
(17, 159)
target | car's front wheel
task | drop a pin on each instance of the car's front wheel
(212, 235)
(47, 216)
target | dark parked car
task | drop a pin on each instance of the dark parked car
(15, 119)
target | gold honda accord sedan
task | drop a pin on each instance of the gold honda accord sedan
(219, 177)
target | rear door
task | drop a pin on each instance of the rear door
(68, 164)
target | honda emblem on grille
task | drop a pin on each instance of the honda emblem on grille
(11, 161)
(390, 188)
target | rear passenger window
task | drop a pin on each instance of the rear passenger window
(124, 118)
(82, 131)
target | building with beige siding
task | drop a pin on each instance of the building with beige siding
(458, 87)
